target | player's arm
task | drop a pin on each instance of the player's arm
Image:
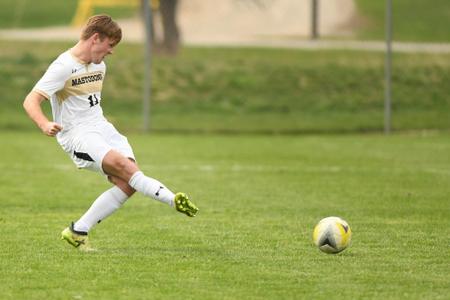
(32, 105)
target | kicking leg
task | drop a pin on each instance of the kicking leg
(119, 166)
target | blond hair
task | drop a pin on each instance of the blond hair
(104, 26)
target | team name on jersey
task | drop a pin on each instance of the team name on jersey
(81, 85)
(87, 79)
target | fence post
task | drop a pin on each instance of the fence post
(314, 19)
(388, 70)
(148, 65)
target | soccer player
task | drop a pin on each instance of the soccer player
(73, 84)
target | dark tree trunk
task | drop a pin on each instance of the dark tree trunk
(171, 41)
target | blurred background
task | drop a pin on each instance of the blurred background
(245, 66)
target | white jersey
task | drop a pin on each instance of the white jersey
(74, 90)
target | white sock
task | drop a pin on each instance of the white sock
(151, 188)
(103, 206)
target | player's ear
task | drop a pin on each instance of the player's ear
(96, 38)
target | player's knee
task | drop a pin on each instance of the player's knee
(116, 162)
(119, 165)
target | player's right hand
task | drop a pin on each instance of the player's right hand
(51, 128)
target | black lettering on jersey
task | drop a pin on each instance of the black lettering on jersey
(86, 79)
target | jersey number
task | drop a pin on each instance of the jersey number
(93, 100)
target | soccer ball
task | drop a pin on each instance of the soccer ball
(332, 235)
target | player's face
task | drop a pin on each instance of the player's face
(101, 48)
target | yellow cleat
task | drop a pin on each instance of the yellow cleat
(77, 239)
(184, 205)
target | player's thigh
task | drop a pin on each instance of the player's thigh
(118, 141)
(90, 146)
(116, 164)
(88, 150)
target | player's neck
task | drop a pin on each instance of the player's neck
(81, 52)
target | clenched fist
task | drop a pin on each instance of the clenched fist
(51, 128)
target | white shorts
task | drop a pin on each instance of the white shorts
(88, 145)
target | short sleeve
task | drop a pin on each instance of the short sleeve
(53, 80)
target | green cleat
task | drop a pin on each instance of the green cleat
(77, 239)
(183, 205)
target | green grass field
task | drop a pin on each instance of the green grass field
(26, 14)
(259, 195)
(259, 198)
(413, 20)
